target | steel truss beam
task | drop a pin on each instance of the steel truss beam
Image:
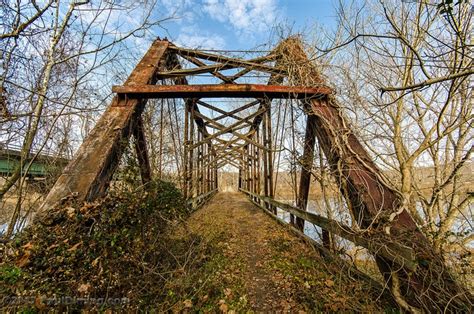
(224, 129)
(240, 109)
(223, 112)
(90, 171)
(255, 65)
(213, 68)
(221, 90)
(373, 203)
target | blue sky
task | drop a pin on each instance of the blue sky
(240, 24)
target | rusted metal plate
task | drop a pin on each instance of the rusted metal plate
(89, 173)
(221, 90)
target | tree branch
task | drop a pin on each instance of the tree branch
(428, 82)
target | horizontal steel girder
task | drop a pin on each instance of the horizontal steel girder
(221, 90)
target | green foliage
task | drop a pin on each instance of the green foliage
(10, 274)
(166, 198)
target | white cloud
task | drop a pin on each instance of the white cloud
(244, 15)
(191, 39)
(180, 10)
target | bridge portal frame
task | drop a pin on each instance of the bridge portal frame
(372, 202)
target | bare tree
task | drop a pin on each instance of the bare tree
(403, 70)
(56, 60)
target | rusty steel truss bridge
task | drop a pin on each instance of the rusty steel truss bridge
(385, 226)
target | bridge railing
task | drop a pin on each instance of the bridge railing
(200, 200)
(46, 162)
(16, 149)
(383, 246)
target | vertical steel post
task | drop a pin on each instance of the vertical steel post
(160, 163)
(306, 166)
(271, 189)
(265, 158)
(247, 168)
(255, 166)
(252, 168)
(241, 170)
(186, 153)
(257, 159)
(208, 170)
(191, 152)
(216, 175)
(142, 151)
(199, 165)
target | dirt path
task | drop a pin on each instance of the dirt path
(258, 265)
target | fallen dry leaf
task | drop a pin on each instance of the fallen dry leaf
(70, 211)
(95, 262)
(188, 304)
(84, 288)
(74, 247)
(223, 307)
(24, 260)
(329, 283)
(39, 303)
(228, 293)
(52, 247)
(28, 246)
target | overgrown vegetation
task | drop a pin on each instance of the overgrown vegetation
(114, 248)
